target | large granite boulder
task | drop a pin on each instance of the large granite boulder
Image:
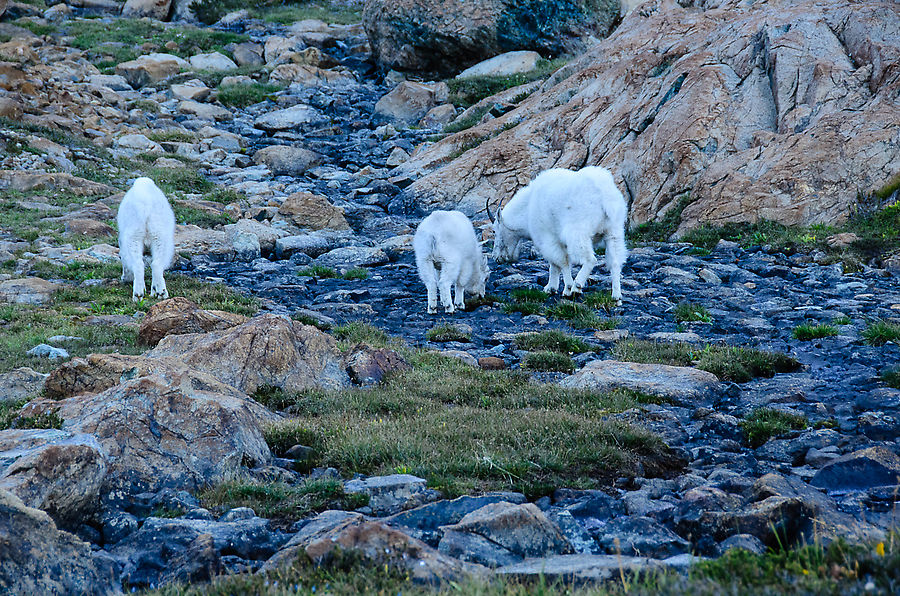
(782, 110)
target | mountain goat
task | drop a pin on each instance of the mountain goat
(564, 213)
(447, 253)
(145, 220)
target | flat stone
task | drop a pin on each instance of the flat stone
(578, 568)
(390, 494)
(27, 290)
(506, 64)
(682, 384)
(289, 118)
(866, 468)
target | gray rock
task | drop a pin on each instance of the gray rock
(474, 548)
(866, 468)
(21, 383)
(425, 522)
(313, 244)
(390, 494)
(47, 351)
(578, 568)
(288, 118)
(745, 542)
(684, 385)
(213, 61)
(352, 256)
(506, 64)
(640, 536)
(283, 160)
(246, 245)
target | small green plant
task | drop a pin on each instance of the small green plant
(809, 331)
(145, 105)
(762, 424)
(244, 95)
(686, 312)
(528, 301)
(467, 92)
(11, 417)
(356, 332)
(172, 135)
(601, 300)
(880, 332)
(319, 272)
(198, 217)
(279, 500)
(272, 397)
(447, 332)
(841, 321)
(891, 377)
(311, 320)
(184, 180)
(467, 121)
(548, 362)
(356, 273)
(580, 316)
(551, 341)
(662, 228)
(282, 436)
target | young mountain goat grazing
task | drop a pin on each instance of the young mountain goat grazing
(447, 253)
(564, 213)
(145, 220)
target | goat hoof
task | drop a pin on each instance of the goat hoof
(549, 290)
(137, 297)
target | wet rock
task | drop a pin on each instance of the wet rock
(505, 64)
(190, 548)
(21, 383)
(288, 118)
(866, 468)
(390, 494)
(368, 366)
(684, 385)
(641, 536)
(179, 315)
(283, 160)
(352, 256)
(578, 568)
(45, 560)
(267, 350)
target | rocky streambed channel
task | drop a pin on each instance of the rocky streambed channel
(759, 412)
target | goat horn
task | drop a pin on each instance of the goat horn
(487, 207)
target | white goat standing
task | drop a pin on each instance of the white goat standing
(447, 253)
(565, 213)
(145, 220)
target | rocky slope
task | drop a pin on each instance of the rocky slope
(777, 110)
(134, 460)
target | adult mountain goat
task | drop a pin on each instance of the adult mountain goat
(447, 253)
(564, 213)
(145, 220)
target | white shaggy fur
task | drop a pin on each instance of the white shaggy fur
(145, 220)
(564, 213)
(447, 253)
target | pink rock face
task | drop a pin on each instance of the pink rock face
(781, 110)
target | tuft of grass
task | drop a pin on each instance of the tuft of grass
(841, 321)
(880, 332)
(447, 332)
(319, 272)
(279, 500)
(468, 121)
(762, 424)
(809, 331)
(185, 180)
(11, 417)
(727, 363)
(467, 92)
(526, 308)
(356, 273)
(601, 300)
(891, 377)
(548, 362)
(309, 320)
(244, 95)
(580, 316)
(356, 332)
(198, 217)
(283, 435)
(528, 301)
(528, 295)
(689, 311)
(663, 228)
(551, 341)
(171, 135)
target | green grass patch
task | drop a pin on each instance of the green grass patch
(686, 312)
(580, 316)
(601, 300)
(356, 274)
(283, 435)
(438, 421)
(762, 424)
(184, 180)
(551, 341)
(528, 301)
(310, 320)
(809, 331)
(841, 321)
(467, 121)
(279, 500)
(356, 332)
(880, 332)
(467, 92)
(447, 332)
(11, 417)
(727, 363)
(241, 96)
(548, 362)
(661, 229)
(319, 272)
(172, 135)
(199, 217)
(891, 377)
